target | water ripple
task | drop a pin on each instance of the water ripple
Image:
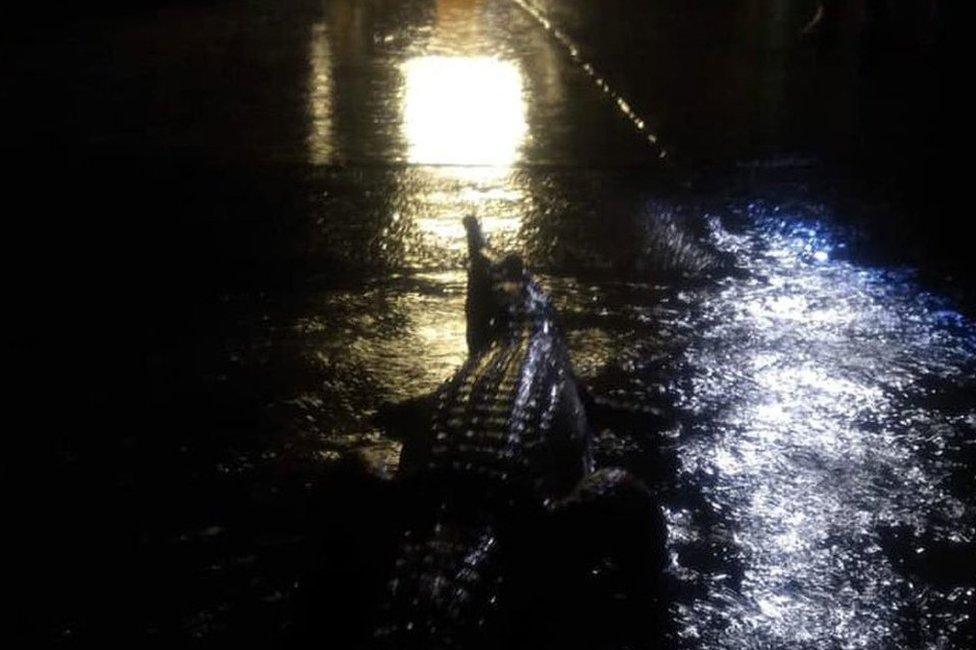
(801, 390)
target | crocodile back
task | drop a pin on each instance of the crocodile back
(444, 589)
(508, 434)
(511, 417)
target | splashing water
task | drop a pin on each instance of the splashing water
(820, 421)
(810, 437)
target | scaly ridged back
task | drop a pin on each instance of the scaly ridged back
(494, 419)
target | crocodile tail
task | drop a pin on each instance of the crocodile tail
(443, 590)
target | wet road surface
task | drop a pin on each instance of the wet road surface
(812, 436)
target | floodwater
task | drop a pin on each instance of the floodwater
(802, 396)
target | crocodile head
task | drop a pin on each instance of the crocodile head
(497, 291)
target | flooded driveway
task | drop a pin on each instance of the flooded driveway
(801, 395)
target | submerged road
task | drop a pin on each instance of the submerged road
(304, 268)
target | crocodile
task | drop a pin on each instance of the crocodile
(510, 521)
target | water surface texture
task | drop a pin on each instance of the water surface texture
(823, 430)
(797, 389)
(819, 404)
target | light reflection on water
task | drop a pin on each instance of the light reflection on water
(444, 194)
(803, 427)
(408, 350)
(320, 95)
(796, 402)
(381, 345)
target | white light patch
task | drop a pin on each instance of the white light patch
(463, 111)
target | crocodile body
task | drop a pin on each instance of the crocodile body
(508, 450)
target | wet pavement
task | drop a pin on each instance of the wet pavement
(277, 250)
